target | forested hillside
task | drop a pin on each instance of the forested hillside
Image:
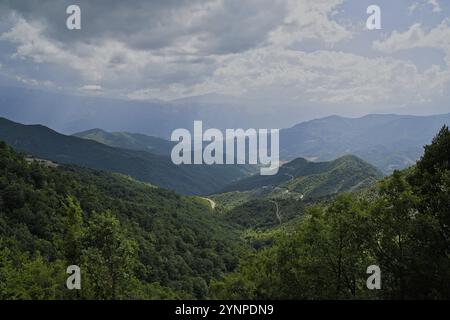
(159, 170)
(131, 240)
(136, 241)
(313, 179)
(266, 201)
(402, 227)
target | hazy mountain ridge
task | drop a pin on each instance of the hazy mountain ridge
(388, 142)
(45, 143)
(70, 114)
(126, 140)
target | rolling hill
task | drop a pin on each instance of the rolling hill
(45, 143)
(262, 202)
(312, 179)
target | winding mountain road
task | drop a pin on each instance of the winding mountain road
(278, 210)
(212, 202)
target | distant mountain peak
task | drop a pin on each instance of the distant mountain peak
(313, 178)
(387, 141)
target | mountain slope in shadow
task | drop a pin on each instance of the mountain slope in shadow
(159, 170)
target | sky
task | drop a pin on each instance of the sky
(267, 54)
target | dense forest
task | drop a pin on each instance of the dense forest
(402, 227)
(131, 240)
(136, 241)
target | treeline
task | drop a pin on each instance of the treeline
(404, 229)
(131, 240)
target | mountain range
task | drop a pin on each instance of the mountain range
(388, 142)
(70, 114)
(156, 169)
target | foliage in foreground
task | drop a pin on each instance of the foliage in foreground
(405, 230)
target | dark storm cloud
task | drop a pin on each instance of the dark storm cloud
(216, 27)
(169, 49)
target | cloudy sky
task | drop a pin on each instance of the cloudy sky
(278, 52)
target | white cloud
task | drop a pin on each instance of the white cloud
(31, 43)
(323, 76)
(331, 77)
(182, 64)
(97, 62)
(91, 87)
(195, 63)
(413, 7)
(416, 37)
(310, 20)
(35, 83)
(435, 5)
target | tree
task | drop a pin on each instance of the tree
(393, 218)
(326, 258)
(23, 277)
(323, 257)
(110, 258)
(411, 220)
(73, 231)
(431, 180)
(431, 183)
